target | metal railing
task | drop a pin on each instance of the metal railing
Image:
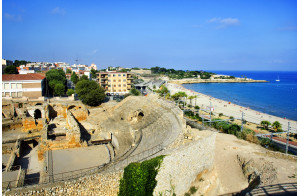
(75, 174)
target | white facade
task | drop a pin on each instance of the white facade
(15, 88)
(25, 71)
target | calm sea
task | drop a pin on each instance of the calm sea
(275, 98)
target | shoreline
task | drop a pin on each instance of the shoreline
(193, 81)
(231, 109)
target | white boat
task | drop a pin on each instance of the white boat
(277, 79)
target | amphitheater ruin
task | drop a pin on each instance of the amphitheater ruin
(58, 144)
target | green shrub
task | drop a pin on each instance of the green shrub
(193, 190)
(231, 118)
(221, 114)
(189, 105)
(265, 142)
(233, 129)
(139, 178)
(197, 107)
(70, 91)
(135, 92)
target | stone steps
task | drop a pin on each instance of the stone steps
(111, 151)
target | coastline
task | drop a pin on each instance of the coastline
(192, 81)
(230, 109)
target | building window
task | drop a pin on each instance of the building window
(108, 80)
(109, 85)
(19, 94)
(14, 94)
(114, 85)
(6, 94)
(124, 74)
(13, 86)
(119, 85)
(114, 75)
(124, 85)
(119, 75)
(3, 94)
(19, 86)
(109, 75)
(124, 90)
(124, 80)
(114, 80)
(119, 80)
(6, 86)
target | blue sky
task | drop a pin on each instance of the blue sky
(195, 35)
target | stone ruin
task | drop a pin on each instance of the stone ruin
(37, 136)
(45, 142)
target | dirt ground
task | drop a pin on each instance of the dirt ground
(227, 175)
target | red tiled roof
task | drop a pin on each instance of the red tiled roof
(30, 76)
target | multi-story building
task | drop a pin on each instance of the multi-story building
(30, 85)
(116, 82)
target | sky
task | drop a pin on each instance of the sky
(178, 34)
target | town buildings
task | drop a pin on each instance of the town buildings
(30, 85)
(115, 82)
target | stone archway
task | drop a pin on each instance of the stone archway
(140, 116)
(37, 114)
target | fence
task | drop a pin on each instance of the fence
(75, 174)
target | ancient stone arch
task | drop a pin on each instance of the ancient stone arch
(37, 114)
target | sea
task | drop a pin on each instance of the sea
(278, 98)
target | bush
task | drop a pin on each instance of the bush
(233, 129)
(189, 105)
(135, 92)
(221, 114)
(70, 91)
(139, 178)
(197, 107)
(231, 118)
(265, 142)
(193, 190)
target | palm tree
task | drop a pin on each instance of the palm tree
(276, 125)
(190, 98)
(265, 124)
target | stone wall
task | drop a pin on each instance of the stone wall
(97, 184)
(180, 168)
(73, 132)
(80, 113)
(58, 110)
(72, 140)
(13, 124)
(31, 124)
(7, 109)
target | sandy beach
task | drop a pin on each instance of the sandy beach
(230, 109)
